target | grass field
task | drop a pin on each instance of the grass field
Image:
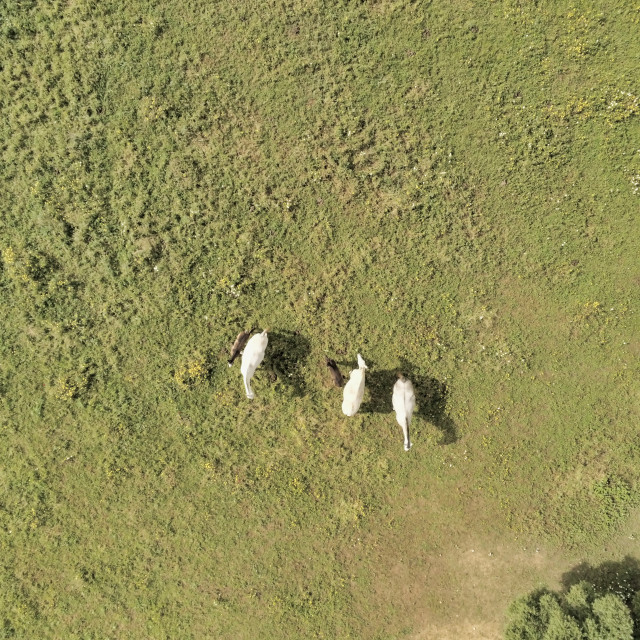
(449, 188)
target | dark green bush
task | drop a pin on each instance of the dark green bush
(580, 614)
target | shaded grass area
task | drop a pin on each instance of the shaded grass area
(449, 189)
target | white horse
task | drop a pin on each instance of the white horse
(251, 358)
(404, 402)
(354, 389)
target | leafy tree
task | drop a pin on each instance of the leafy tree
(611, 620)
(580, 614)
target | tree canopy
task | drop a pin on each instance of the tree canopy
(580, 614)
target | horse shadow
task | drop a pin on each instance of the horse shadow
(285, 359)
(431, 397)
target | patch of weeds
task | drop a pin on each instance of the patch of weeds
(615, 498)
(75, 385)
(192, 372)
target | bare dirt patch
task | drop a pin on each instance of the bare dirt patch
(445, 582)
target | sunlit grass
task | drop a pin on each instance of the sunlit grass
(450, 190)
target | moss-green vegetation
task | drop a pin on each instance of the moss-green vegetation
(448, 188)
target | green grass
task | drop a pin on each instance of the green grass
(448, 188)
